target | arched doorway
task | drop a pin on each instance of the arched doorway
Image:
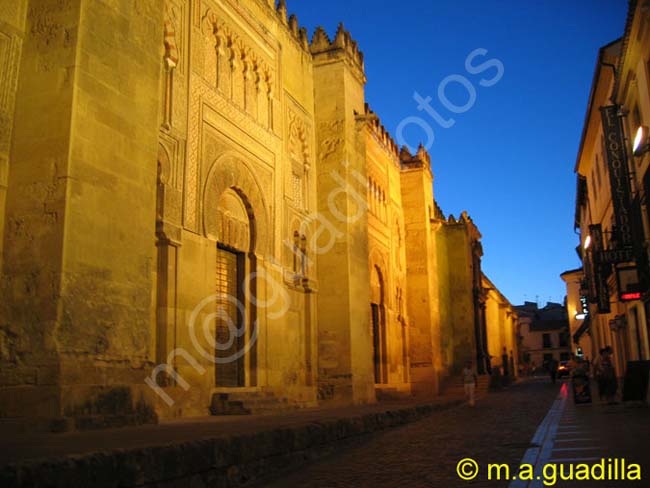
(378, 324)
(235, 317)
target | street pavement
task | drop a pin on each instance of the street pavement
(533, 421)
(593, 434)
(425, 453)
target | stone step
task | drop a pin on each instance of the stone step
(388, 394)
(250, 403)
(247, 395)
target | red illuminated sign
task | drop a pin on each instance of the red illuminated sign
(626, 297)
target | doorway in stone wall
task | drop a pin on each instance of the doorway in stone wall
(230, 368)
(378, 323)
(235, 314)
(376, 342)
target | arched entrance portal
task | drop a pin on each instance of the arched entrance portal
(235, 317)
(378, 321)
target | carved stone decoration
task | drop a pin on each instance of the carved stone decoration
(229, 174)
(221, 61)
(377, 262)
(262, 99)
(165, 170)
(399, 243)
(237, 70)
(237, 66)
(234, 222)
(218, 51)
(171, 23)
(298, 148)
(171, 60)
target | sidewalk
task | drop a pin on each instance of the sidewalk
(590, 434)
(206, 451)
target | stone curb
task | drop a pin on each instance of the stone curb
(223, 462)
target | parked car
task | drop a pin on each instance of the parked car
(563, 369)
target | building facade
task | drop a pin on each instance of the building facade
(611, 205)
(544, 334)
(202, 213)
(578, 314)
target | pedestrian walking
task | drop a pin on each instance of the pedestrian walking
(580, 382)
(469, 381)
(504, 362)
(552, 366)
(605, 374)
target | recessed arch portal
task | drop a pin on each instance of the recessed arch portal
(378, 323)
(235, 217)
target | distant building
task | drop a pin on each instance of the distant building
(543, 333)
(501, 321)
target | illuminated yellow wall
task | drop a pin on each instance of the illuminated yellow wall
(210, 127)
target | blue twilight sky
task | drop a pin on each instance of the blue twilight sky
(508, 160)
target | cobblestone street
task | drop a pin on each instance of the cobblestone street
(425, 454)
(499, 430)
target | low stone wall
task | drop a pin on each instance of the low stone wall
(223, 462)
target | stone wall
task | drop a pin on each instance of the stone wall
(421, 272)
(171, 159)
(387, 259)
(80, 206)
(12, 33)
(345, 348)
(456, 295)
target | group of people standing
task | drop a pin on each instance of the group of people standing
(603, 371)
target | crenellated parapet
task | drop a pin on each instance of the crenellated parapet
(299, 33)
(438, 213)
(462, 219)
(466, 221)
(380, 133)
(342, 45)
(421, 159)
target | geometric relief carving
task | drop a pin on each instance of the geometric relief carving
(192, 182)
(172, 26)
(233, 221)
(222, 217)
(5, 69)
(169, 200)
(235, 82)
(179, 104)
(297, 190)
(298, 150)
(9, 60)
(398, 243)
(298, 137)
(236, 70)
(200, 93)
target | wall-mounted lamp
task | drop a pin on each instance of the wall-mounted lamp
(641, 142)
(587, 243)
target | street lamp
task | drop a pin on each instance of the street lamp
(641, 142)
